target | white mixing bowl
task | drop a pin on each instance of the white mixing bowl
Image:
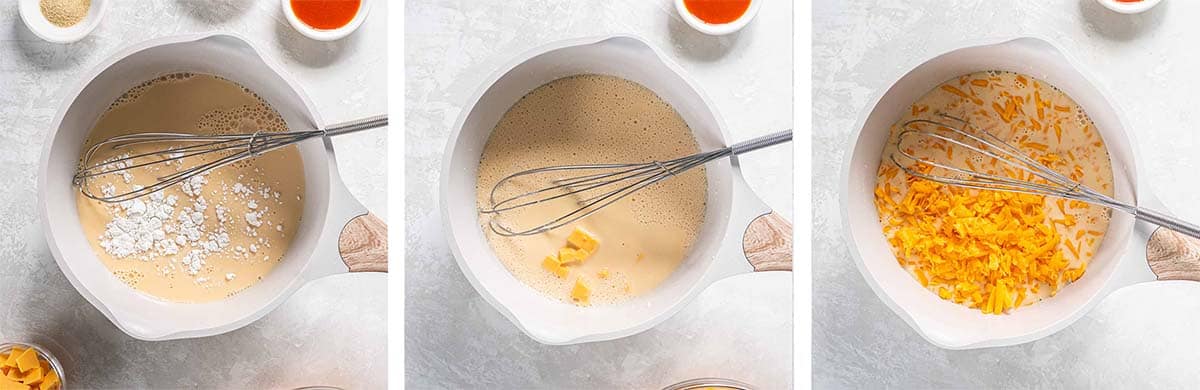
(716, 254)
(328, 206)
(1120, 261)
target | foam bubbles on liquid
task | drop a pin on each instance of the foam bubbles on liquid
(612, 120)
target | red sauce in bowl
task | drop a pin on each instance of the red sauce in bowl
(717, 11)
(326, 14)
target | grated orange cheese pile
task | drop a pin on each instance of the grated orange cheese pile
(990, 250)
(980, 248)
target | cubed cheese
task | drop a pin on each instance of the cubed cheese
(11, 360)
(582, 240)
(33, 377)
(28, 369)
(581, 293)
(50, 381)
(551, 264)
(572, 256)
(9, 384)
(603, 274)
(28, 360)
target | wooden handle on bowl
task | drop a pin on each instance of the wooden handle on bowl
(1173, 256)
(768, 243)
(363, 244)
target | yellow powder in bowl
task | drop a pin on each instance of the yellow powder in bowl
(65, 13)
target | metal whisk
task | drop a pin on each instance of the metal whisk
(979, 141)
(176, 147)
(599, 185)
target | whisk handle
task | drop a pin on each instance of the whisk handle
(761, 142)
(1169, 222)
(356, 125)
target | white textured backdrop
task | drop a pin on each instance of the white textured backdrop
(331, 332)
(1140, 337)
(738, 328)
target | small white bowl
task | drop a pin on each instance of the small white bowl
(326, 35)
(1129, 8)
(718, 29)
(31, 14)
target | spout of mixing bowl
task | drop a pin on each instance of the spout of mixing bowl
(340, 224)
(1034, 43)
(757, 239)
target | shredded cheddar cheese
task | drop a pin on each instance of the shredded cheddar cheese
(980, 248)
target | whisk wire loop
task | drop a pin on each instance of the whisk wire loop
(181, 147)
(986, 144)
(596, 186)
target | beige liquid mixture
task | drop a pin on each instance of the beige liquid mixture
(596, 119)
(1035, 117)
(213, 236)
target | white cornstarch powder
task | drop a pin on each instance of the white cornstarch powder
(139, 227)
(193, 185)
(159, 225)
